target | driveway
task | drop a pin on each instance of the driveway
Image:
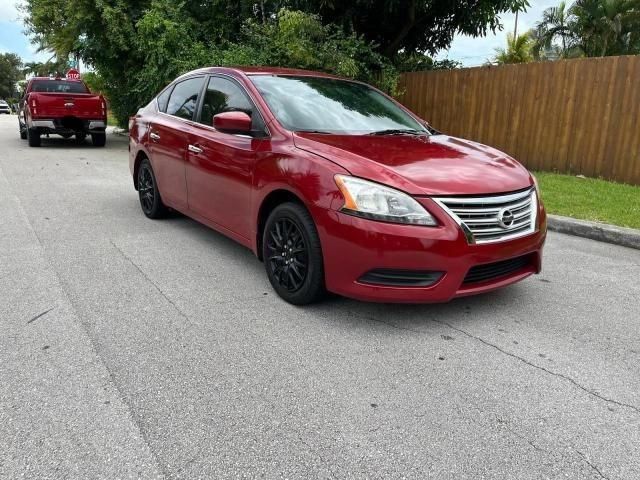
(132, 348)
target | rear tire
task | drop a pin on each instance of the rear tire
(99, 139)
(23, 132)
(148, 193)
(33, 136)
(292, 255)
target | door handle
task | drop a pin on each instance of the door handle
(154, 136)
(195, 149)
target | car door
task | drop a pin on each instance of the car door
(220, 165)
(168, 139)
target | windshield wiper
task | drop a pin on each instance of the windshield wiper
(395, 131)
(324, 132)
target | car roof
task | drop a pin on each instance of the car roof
(55, 78)
(258, 70)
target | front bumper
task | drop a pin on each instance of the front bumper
(354, 246)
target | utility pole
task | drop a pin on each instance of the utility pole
(515, 29)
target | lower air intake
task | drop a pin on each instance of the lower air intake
(493, 271)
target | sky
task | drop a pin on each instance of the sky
(470, 51)
(12, 37)
(476, 51)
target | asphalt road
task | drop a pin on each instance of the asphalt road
(132, 348)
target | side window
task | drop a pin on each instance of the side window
(163, 100)
(223, 95)
(184, 98)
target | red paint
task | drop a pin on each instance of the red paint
(232, 122)
(225, 183)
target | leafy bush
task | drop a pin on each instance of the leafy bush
(416, 62)
(292, 39)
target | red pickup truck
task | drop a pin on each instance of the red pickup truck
(62, 106)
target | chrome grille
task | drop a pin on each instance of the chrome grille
(493, 218)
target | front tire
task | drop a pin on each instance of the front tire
(292, 255)
(33, 136)
(150, 200)
(99, 139)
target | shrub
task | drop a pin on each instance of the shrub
(291, 39)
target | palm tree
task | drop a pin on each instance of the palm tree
(606, 27)
(519, 50)
(40, 69)
(554, 24)
(592, 28)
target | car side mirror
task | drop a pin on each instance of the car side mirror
(232, 122)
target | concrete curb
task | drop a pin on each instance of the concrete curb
(117, 131)
(602, 232)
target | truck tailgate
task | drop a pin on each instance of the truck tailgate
(57, 105)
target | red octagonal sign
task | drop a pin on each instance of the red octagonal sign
(73, 74)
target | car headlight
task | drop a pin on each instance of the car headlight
(377, 202)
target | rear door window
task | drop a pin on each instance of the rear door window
(163, 100)
(184, 98)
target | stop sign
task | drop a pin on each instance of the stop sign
(73, 74)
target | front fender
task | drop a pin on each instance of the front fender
(307, 176)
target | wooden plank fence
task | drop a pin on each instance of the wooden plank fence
(572, 116)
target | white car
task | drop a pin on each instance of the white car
(4, 107)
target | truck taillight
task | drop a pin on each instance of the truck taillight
(34, 106)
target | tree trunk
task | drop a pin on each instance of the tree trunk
(391, 49)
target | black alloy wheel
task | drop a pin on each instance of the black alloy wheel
(288, 256)
(292, 255)
(148, 193)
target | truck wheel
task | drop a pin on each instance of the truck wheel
(33, 135)
(23, 132)
(99, 139)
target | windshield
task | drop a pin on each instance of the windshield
(58, 86)
(327, 105)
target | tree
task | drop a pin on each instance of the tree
(44, 69)
(591, 28)
(606, 27)
(94, 81)
(414, 26)
(139, 45)
(416, 62)
(519, 50)
(10, 73)
(553, 26)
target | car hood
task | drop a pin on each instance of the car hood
(421, 165)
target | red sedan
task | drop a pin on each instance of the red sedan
(336, 186)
